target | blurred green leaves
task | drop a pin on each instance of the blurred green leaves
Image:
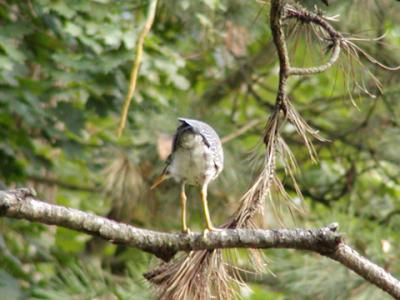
(9, 287)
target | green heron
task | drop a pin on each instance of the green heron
(196, 159)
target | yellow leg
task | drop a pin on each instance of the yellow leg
(183, 208)
(203, 193)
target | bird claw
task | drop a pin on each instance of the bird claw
(186, 231)
(210, 229)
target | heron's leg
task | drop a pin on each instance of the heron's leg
(203, 193)
(183, 207)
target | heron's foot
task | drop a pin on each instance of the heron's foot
(186, 231)
(209, 229)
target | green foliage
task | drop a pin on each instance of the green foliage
(64, 71)
(91, 282)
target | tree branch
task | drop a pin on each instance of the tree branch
(322, 68)
(335, 38)
(23, 204)
(366, 269)
(276, 13)
(240, 131)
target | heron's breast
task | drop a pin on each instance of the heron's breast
(192, 160)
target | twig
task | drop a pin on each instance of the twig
(240, 131)
(23, 204)
(136, 65)
(335, 38)
(322, 68)
(366, 269)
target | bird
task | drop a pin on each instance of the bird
(197, 158)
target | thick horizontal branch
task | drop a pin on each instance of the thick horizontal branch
(22, 204)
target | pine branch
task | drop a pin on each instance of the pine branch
(23, 204)
(334, 38)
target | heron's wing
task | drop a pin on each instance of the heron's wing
(184, 127)
(209, 135)
(210, 138)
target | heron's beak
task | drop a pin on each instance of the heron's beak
(158, 181)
